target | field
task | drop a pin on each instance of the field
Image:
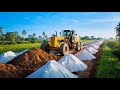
(109, 66)
(20, 47)
(86, 40)
(17, 47)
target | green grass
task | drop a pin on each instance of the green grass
(18, 47)
(109, 66)
(85, 40)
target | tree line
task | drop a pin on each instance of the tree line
(14, 37)
(90, 38)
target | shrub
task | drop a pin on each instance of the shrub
(7, 42)
(23, 42)
(116, 51)
(115, 48)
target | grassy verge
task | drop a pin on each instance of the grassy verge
(18, 47)
(109, 66)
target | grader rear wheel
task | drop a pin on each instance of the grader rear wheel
(64, 48)
(45, 46)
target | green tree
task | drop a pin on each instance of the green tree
(92, 37)
(40, 37)
(86, 38)
(24, 33)
(46, 36)
(19, 38)
(117, 28)
(3, 37)
(43, 34)
(30, 37)
(11, 36)
(34, 35)
(0, 32)
(16, 36)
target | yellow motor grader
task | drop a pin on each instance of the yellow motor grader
(63, 43)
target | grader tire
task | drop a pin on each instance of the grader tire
(78, 46)
(44, 46)
(64, 49)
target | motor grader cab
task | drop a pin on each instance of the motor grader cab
(68, 40)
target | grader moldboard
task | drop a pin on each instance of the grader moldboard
(63, 43)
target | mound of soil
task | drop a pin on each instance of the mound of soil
(9, 71)
(32, 60)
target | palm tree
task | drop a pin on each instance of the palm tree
(34, 35)
(46, 36)
(118, 31)
(24, 33)
(43, 34)
(40, 37)
(0, 32)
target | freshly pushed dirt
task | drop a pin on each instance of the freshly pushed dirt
(90, 72)
(9, 71)
(32, 60)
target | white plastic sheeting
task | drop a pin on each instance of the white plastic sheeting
(21, 52)
(72, 63)
(7, 56)
(91, 49)
(99, 42)
(52, 69)
(84, 55)
(94, 46)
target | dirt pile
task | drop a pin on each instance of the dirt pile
(10, 71)
(32, 60)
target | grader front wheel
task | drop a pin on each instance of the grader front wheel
(78, 46)
(64, 48)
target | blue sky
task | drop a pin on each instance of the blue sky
(98, 24)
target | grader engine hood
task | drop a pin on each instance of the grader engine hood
(55, 41)
(60, 37)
